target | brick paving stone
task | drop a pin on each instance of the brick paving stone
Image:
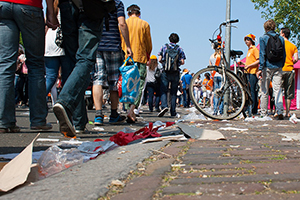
(236, 179)
(140, 188)
(236, 197)
(216, 189)
(285, 186)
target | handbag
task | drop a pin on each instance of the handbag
(129, 82)
(59, 37)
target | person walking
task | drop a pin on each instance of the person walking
(81, 35)
(251, 67)
(270, 69)
(26, 17)
(170, 73)
(141, 45)
(288, 72)
(186, 80)
(108, 60)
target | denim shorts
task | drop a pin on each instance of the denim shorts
(106, 70)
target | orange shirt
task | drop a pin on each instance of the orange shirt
(140, 39)
(252, 56)
(208, 84)
(290, 50)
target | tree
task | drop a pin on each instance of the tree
(285, 13)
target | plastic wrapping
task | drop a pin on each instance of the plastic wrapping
(55, 159)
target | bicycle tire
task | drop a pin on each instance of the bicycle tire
(233, 87)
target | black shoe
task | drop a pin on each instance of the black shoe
(65, 124)
(117, 120)
(163, 112)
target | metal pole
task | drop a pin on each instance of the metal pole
(227, 52)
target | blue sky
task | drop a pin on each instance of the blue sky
(195, 21)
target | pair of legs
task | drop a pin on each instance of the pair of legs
(276, 76)
(81, 38)
(288, 78)
(143, 73)
(252, 79)
(28, 20)
(167, 78)
(186, 98)
(106, 71)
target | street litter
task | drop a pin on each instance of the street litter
(200, 134)
(118, 183)
(290, 136)
(166, 138)
(97, 128)
(69, 143)
(47, 140)
(55, 159)
(258, 118)
(16, 171)
(93, 149)
(233, 129)
(234, 146)
(193, 116)
(294, 119)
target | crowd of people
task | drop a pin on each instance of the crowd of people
(73, 45)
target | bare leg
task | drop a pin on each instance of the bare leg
(98, 96)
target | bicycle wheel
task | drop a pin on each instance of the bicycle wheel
(228, 100)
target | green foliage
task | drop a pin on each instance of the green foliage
(285, 13)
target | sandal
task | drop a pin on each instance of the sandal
(130, 121)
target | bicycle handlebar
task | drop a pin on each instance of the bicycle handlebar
(220, 28)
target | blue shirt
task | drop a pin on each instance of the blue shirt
(186, 79)
(111, 40)
(263, 61)
(163, 51)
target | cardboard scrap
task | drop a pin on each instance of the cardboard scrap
(16, 171)
(200, 134)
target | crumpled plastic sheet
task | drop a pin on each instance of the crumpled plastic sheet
(294, 119)
(91, 150)
(55, 159)
(258, 118)
(194, 116)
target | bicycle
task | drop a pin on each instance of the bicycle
(233, 96)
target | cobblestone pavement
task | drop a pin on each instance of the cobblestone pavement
(255, 162)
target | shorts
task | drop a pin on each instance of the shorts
(207, 93)
(106, 70)
(288, 84)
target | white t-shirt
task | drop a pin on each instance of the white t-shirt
(150, 75)
(51, 49)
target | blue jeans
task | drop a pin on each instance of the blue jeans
(16, 18)
(254, 93)
(216, 99)
(52, 65)
(81, 39)
(151, 88)
(167, 78)
(186, 98)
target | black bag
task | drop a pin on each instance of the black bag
(171, 62)
(157, 74)
(274, 49)
(59, 37)
(96, 9)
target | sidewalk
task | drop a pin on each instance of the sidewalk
(250, 164)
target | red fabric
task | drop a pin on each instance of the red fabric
(122, 138)
(119, 85)
(34, 3)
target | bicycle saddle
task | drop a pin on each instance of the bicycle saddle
(234, 53)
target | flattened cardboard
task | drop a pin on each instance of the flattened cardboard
(16, 171)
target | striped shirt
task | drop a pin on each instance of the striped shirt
(140, 39)
(110, 40)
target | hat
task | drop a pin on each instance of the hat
(186, 70)
(153, 57)
(251, 37)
